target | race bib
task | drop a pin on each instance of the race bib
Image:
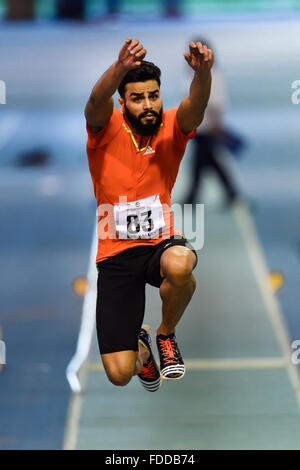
(139, 219)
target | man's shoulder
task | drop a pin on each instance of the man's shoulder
(105, 135)
(171, 112)
(114, 123)
(116, 114)
(169, 116)
(171, 125)
(115, 119)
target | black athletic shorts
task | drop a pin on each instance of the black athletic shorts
(121, 293)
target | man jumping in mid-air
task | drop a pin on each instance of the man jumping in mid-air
(134, 157)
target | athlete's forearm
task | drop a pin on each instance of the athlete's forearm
(107, 84)
(200, 91)
(191, 110)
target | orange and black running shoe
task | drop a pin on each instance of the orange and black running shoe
(149, 376)
(171, 362)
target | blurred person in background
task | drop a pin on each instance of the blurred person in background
(211, 136)
(170, 7)
(113, 8)
(70, 9)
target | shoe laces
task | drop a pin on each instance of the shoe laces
(148, 371)
(168, 350)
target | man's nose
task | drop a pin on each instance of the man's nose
(147, 104)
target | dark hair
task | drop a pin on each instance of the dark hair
(142, 73)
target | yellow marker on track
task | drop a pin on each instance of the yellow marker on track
(80, 286)
(276, 280)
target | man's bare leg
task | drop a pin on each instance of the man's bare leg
(178, 286)
(176, 290)
(121, 366)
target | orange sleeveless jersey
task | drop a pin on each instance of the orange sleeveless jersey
(118, 169)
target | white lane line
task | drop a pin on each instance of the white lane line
(87, 320)
(71, 429)
(82, 350)
(73, 416)
(218, 364)
(261, 272)
(1, 365)
(8, 127)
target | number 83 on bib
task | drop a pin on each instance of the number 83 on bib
(139, 219)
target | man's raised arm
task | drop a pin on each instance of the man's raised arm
(99, 107)
(190, 113)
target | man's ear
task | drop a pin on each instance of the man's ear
(121, 103)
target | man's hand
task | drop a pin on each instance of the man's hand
(200, 59)
(131, 54)
(99, 107)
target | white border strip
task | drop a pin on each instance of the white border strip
(261, 272)
(87, 321)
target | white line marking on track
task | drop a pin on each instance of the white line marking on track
(82, 351)
(87, 320)
(71, 429)
(218, 364)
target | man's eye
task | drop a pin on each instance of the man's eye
(153, 97)
(137, 99)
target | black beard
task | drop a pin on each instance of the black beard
(150, 128)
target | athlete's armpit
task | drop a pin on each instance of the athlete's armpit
(100, 137)
(98, 115)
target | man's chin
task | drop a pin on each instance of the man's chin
(144, 128)
(149, 130)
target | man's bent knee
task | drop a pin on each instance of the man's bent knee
(179, 277)
(119, 367)
(178, 269)
(119, 379)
